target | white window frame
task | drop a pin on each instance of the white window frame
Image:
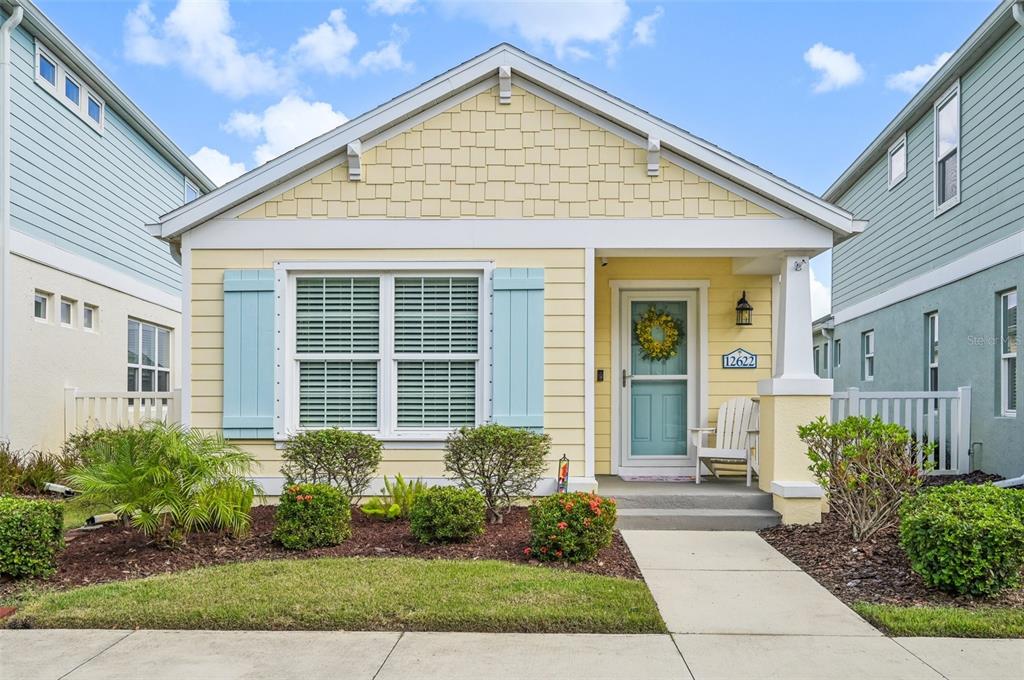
(70, 323)
(867, 348)
(825, 359)
(188, 186)
(156, 368)
(93, 324)
(57, 89)
(286, 418)
(837, 353)
(817, 360)
(950, 94)
(47, 299)
(899, 143)
(1005, 377)
(931, 350)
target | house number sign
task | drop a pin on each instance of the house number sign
(739, 358)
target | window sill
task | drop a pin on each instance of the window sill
(425, 442)
(947, 206)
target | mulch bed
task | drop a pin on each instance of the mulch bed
(116, 554)
(876, 570)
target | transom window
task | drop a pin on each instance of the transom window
(898, 161)
(390, 353)
(68, 88)
(1008, 349)
(149, 357)
(67, 311)
(947, 150)
(41, 305)
(932, 323)
(868, 346)
(90, 316)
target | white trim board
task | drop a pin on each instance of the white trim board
(726, 234)
(972, 263)
(524, 66)
(51, 256)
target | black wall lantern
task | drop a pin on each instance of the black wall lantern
(744, 311)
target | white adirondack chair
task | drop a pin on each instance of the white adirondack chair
(735, 435)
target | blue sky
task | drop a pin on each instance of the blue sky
(799, 88)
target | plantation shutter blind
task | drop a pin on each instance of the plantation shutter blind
(518, 348)
(337, 343)
(437, 321)
(248, 410)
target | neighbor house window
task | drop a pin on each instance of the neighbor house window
(867, 341)
(149, 357)
(90, 317)
(191, 193)
(837, 354)
(67, 311)
(395, 353)
(41, 305)
(817, 361)
(932, 323)
(947, 149)
(824, 360)
(1008, 352)
(898, 161)
(68, 88)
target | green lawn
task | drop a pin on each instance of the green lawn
(987, 622)
(357, 594)
(77, 511)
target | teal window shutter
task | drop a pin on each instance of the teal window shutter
(249, 354)
(517, 353)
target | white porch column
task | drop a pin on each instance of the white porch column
(794, 396)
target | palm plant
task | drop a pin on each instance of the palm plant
(169, 482)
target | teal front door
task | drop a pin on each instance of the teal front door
(657, 391)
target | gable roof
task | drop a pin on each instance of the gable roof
(470, 73)
(45, 31)
(974, 48)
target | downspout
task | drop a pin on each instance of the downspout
(5, 216)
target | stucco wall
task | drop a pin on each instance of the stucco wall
(48, 357)
(563, 342)
(525, 159)
(723, 335)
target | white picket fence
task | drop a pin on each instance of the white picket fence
(91, 410)
(942, 418)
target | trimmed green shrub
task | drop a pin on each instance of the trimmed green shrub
(966, 539)
(502, 463)
(866, 468)
(343, 459)
(448, 514)
(312, 516)
(571, 526)
(169, 482)
(31, 535)
(396, 501)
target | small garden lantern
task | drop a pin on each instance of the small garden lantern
(563, 474)
(744, 311)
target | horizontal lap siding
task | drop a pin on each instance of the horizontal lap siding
(723, 335)
(904, 237)
(563, 341)
(87, 192)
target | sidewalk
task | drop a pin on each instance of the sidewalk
(736, 609)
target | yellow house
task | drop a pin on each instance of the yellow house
(485, 248)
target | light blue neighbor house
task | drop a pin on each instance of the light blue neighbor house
(926, 298)
(90, 304)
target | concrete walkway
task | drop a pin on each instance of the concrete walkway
(736, 608)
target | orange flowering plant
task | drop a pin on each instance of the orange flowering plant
(312, 516)
(570, 526)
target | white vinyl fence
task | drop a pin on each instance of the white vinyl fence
(942, 418)
(91, 410)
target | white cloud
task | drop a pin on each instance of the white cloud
(329, 47)
(197, 37)
(560, 24)
(217, 165)
(643, 29)
(838, 69)
(821, 297)
(912, 79)
(390, 7)
(284, 125)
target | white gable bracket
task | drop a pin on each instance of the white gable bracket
(355, 157)
(653, 156)
(504, 84)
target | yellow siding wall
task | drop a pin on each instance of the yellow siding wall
(723, 334)
(525, 159)
(563, 342)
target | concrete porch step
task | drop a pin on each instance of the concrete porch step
(698, 497)
(699, 519)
